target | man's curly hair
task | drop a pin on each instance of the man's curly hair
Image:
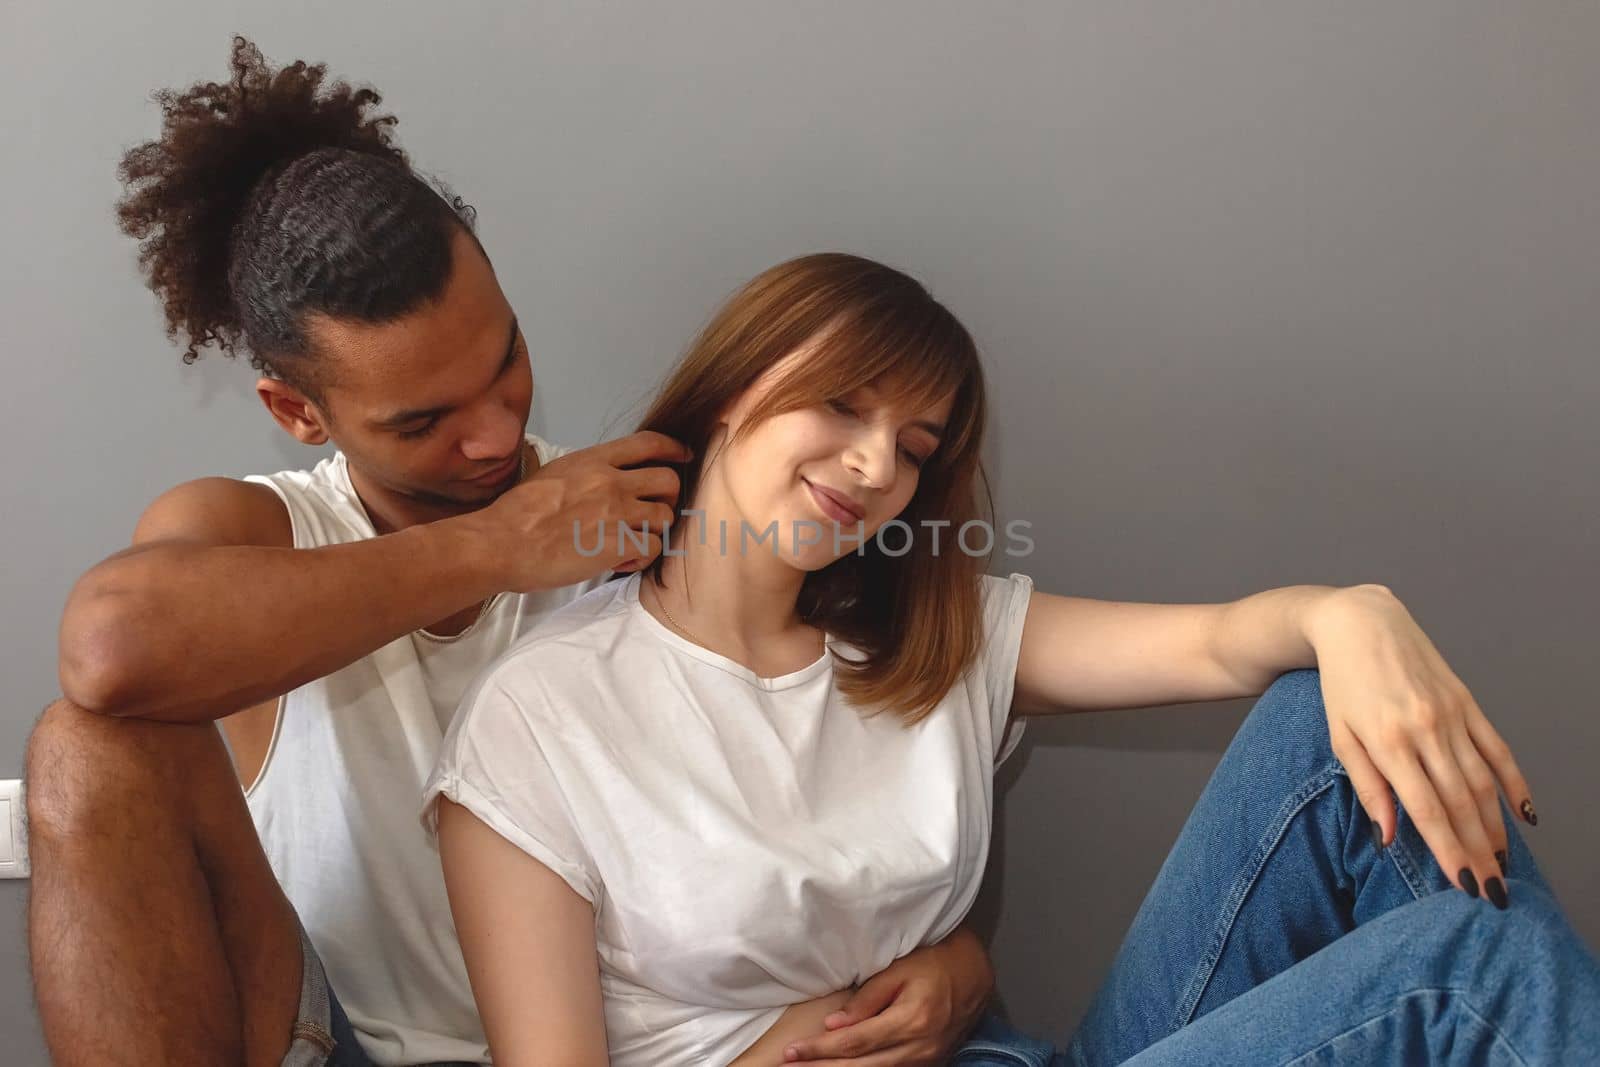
(262, 201)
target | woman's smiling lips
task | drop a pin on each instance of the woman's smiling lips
(836, 507)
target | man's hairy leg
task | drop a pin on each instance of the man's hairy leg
(156, 929)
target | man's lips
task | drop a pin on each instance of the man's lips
(491, 476)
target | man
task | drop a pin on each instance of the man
(327, 619)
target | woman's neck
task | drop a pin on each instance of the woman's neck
(739, 604)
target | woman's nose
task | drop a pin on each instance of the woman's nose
(874, 461)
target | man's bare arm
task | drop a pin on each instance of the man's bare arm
(212, 609)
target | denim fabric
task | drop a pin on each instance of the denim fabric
(347, 1051)
(323, 1036)
(1277, 932)
(314, 1041)
(996, 1044)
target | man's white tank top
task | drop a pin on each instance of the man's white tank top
(336, 802)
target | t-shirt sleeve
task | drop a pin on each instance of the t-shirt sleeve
(1005, 608)
(502, 759)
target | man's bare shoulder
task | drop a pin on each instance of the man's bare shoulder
(222, 511)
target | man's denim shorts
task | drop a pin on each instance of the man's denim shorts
(322, 1033)
(323, 1036)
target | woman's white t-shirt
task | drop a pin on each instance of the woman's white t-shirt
(747, 843)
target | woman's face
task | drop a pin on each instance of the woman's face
(784, 473)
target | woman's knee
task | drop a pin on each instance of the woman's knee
(1471, 942)
(1290, 717)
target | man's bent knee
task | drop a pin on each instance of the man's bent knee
(84, 770)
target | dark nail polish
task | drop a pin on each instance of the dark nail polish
(1496, 893)
(1500, 858)
(1469, 884)
(1377, 837)
(1529, 814)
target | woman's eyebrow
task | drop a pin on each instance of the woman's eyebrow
(935, 428)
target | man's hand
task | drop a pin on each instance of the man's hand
(914, 1012)
(578, 501)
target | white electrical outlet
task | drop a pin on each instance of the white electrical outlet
(13, 830)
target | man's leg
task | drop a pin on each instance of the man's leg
(157, 931)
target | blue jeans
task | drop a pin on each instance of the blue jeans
(1277, 932)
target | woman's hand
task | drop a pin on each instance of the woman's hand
(915, 1011)
(1399, 718)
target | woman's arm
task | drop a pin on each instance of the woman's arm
(528, 940)
(1398, 718)
(1100, 655)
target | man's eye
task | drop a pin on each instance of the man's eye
(421, 431)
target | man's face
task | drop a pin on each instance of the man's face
(434, 407)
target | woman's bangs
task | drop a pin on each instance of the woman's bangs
(911, 367)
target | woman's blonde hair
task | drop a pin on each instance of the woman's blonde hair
(915, 616)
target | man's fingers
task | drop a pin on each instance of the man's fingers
(631, 546)
(643, 445)
(1370, 786)
(658, 516)
(872, 1034)
(650, 483)
(866, 1002)
(876, 994)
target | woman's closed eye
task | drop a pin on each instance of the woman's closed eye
(910, 455)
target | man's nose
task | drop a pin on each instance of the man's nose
(495, 436)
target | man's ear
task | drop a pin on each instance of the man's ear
(293, 410)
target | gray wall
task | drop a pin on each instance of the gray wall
(1270, 293)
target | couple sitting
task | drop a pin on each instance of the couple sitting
(727, 803)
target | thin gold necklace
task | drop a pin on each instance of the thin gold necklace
(662, 604)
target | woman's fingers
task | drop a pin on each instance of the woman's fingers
(1372, 789)
(1478, 871)
(1411, 784)
(1485, 793)
(1497, 754)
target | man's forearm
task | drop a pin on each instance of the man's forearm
(191, 632)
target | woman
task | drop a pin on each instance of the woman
(677, 825)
